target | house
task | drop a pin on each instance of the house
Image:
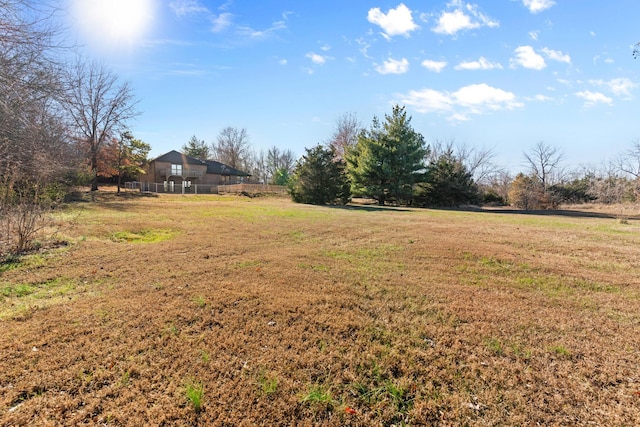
(175, 170)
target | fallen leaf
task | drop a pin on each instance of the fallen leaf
(350, 410)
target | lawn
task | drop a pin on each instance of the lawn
(217, 310)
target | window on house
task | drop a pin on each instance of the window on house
(176, 170)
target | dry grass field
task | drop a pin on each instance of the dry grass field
(221, 310)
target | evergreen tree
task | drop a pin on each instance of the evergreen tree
(318, 179)
(449, 183)
(196, 148)
(388, 159)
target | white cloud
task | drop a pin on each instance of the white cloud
(593, 98)
(316, 59)
(396, 22)
(262, 34)
(187, 7)
(482, 96)
(526, 57)
(464, 16)
(537, 6)
(325, 48)
(221, 22)
(283, 62)
(472, 99)
(534, 34)
(393, 66)
(428, 101)
(556, 55)
(435, 66)
(481, 64)
(621, 86)
(540, 97)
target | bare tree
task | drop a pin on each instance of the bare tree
(544, 161)
(34, 149)
(477, 161)
(279, 161)
(232, 147)
(629, 161)
(99, 107)
(345, 135)
(257, 165)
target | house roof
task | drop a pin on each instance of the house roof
(222, 169)
(213, 167)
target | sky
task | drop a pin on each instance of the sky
(491, 74)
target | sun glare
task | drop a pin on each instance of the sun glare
(113, 23)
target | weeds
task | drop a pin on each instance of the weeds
(194, 391)
(561, 351)
(268, 384)
(495, 346)
(143, 236)
(125, 379)
(318, 394)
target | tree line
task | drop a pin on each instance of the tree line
(63, 121)
(391, 163)
(233, 148)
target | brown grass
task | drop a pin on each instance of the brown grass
(299, 315)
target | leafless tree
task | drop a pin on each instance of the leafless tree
(99, 107)
(345, 134)
(34, 149)
(278, 160)
(257, 166)
(545, 163)
(629, 161)
(608, 184)
(477, 161)
(232, 147)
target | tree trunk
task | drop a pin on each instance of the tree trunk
(94, 172)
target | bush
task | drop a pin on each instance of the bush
(448, 183)
(319, 179)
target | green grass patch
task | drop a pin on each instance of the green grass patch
(194, 391)
(318, 394)
(268, 383)
(142, 236)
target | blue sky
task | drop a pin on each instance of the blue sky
(500, 74)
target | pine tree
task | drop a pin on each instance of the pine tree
(196, 148)
(319, 178)
(388, 159)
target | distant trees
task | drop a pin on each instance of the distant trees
(345, 135)
(388, 159)
(99, 107)
(132, 155)
(197, 148)
(544, 161)
(280, 164)
(232, 147)
(319, 178)
(526, 192)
